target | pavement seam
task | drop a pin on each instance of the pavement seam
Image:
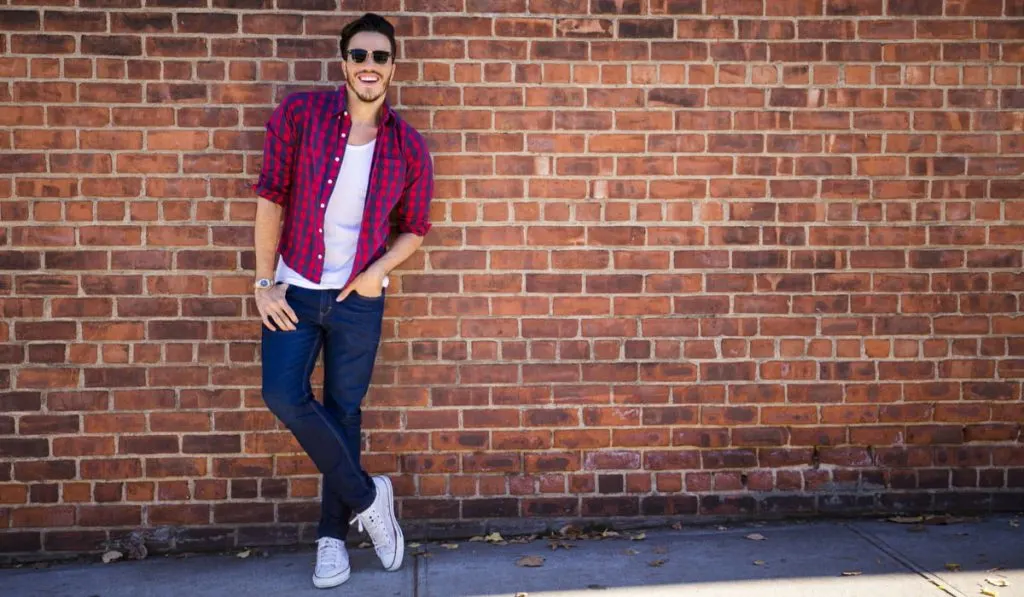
(904, 560)
(416, 575)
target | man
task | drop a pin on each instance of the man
(337, 166)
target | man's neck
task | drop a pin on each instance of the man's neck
(363, 113)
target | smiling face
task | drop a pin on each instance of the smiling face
(368, 79)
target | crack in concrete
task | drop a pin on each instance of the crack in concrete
(905, 561)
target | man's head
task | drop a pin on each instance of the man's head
(368, 54)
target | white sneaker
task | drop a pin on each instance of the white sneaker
(380, 523)
(332, 566)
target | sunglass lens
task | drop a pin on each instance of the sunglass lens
(358, 56)
(381, 56)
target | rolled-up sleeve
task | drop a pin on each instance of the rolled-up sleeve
(279, 151)
(413, 210)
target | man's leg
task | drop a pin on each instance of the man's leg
(352, 335)
(288, 361)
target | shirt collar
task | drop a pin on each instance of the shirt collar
(341, 102)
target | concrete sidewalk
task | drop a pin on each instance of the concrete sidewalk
(882, 558)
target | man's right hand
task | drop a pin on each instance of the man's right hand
(273, 307)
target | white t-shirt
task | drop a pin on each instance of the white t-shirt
(342, 221)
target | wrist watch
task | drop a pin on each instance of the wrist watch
(263, 283)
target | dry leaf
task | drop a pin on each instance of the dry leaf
(530, 562)
(112, 556)
(609, 533)
(989, 592)
(554, 545)
(657, 563)
(412, 545)
(476, 539)
(952, 566)
(639, 537)
(905, 519)
(1015, 523)
(852, 573)
(678, 526)
(244, 554)
(755, 537)
(723, 528)
(450, 545)
(759, 562)
(569, 530)
(494, 537)
(366, 544)
(523, 540)
(997, 582)
(630, 552)
(521, 595)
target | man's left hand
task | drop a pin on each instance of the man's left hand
(369, 284)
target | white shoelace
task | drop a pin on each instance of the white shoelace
(375, 528)
(329, 553)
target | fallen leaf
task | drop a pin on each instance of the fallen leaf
(678, 526)
(609, 533)
(759, 562)
(852, 573)
(723, 528)
(412, 545)
(905, 519)
(657, 563)
(555, 545)
(450, 545)
(1015, 523)
(366, 544)
(630, 552)
(112, 556)
(523, 540)
(989, 592)
(530, 562)
(997, 582)
(660, 550)
(952, 566)
(244, 554)
(639, 537)
(568, 530)
(494, 537)
(477, 539)
(756, 537)
(521, 595)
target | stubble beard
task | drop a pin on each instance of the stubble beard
(368, 97)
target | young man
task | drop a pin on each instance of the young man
(337, 167)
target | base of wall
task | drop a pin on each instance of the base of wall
(19, 547)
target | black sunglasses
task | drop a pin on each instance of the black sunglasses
(379, 56)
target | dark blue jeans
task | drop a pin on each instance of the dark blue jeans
(349, 334)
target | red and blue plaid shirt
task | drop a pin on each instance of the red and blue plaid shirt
(302, 153)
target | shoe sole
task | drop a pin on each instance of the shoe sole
(327, 582)
(399, 537)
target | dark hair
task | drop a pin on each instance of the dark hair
(368, 22)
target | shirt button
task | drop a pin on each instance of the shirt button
(329, 181)
(337, 159)
(343, 135)
(319, 256)
(323, 205)
(321, 230)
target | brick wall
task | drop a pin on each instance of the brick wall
(691, 257)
